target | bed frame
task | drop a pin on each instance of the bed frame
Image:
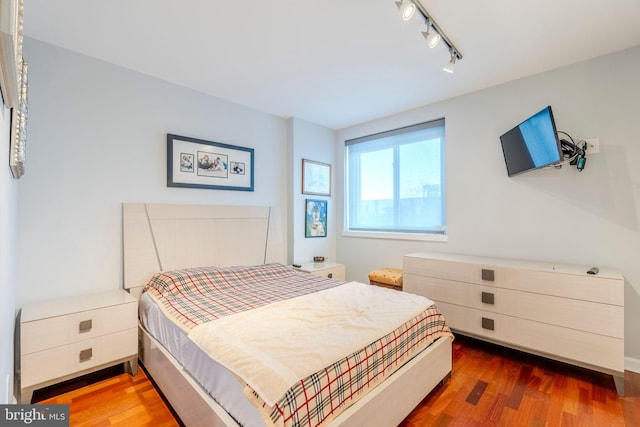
(159, 237)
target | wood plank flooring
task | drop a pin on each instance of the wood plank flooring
(495, 386)
(489, 386)
(120, 401)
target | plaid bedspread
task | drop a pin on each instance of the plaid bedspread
(194, 296)
(322, 396)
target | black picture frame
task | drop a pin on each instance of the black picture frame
(198, 163)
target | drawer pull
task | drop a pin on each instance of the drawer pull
(488, 275)
(488, 324)
(85, 326)
(488, 298)
(86, 354)
(330, 275)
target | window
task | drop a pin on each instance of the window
(395, 181)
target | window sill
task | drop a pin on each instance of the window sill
(396, 236)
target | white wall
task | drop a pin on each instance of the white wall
(311, 142)
(590, 218)
(8, 248)
(97, 138)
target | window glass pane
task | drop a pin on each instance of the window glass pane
(419, 185)
(376, 179)
(375, 208)
(395, 180)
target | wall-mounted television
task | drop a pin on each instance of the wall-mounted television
(533, 144)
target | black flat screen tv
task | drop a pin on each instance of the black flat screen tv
(533, 144)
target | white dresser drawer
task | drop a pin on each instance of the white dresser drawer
(491, 325)
(434, 288)
(603, 319)
(601, 289)
(584, 347)
(51, 332)
(489, 298)
(467, 272)
(454, 315)
(78, 356)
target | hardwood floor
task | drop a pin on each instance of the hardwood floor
(120, 400)
(495, 386)
(489, 386)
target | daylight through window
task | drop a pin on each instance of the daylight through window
(395, 181)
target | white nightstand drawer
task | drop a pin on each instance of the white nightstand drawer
(56, 331)
(331, 270)
(67, 337)
(60, 361)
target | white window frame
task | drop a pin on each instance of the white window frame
(439, 235)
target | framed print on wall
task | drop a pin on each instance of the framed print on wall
(316, 178)
(197, 163)
(315, 222)
(11, 34)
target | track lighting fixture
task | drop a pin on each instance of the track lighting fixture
(433, 38)
(434, 33)
(450, 67)
(407, 9)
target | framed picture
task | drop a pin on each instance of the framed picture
(12, 12)
(316, 178)
(197, 163)
(19, 126)
(315, 222)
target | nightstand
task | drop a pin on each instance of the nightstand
(69, 337)
(331, 270)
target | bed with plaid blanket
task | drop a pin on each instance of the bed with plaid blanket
(199, 296)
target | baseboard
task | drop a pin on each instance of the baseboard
(632, 364)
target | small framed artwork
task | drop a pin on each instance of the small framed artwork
(315, 218)
(197, 163)
(316, 178)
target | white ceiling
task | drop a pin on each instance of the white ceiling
(333, 63)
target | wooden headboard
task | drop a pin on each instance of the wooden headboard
(162, 237)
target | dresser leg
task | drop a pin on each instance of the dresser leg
(619, 380)
(131, 366)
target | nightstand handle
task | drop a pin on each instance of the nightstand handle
(85, 326)
(86, 354)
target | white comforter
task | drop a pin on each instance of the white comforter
(273, 347)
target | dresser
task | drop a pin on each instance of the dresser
(331, 270)
(557, 311)
(65, 338)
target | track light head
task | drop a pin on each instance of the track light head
(450, 67)
(434, 33)
(433, 38)
(407, 9)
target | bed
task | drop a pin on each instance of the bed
(176, 249)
